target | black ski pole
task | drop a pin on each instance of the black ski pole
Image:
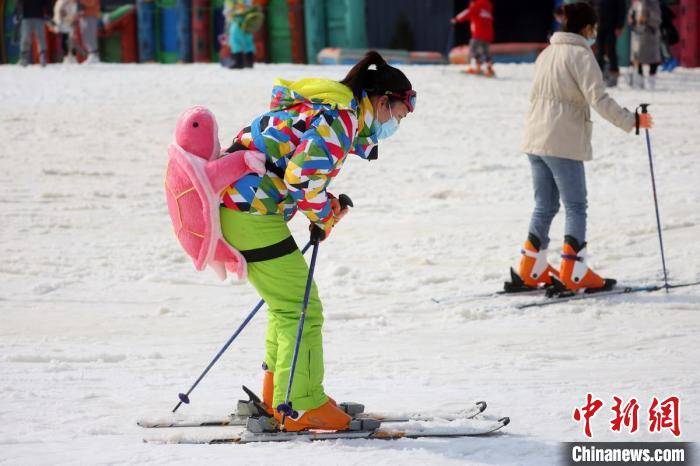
(644, 108)
(185, 397)
(317, 235)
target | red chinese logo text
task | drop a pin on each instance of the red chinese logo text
(663, 415)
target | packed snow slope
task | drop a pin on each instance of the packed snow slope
(103, 318)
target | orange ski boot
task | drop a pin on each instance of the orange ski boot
(268, 389)
(489, 73)
(326, 417)
(474, 70)
(575, 275)
(534, 270)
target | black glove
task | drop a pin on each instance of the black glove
(317, 234)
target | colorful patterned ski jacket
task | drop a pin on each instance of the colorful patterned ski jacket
(311, 127)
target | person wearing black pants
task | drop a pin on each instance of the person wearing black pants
(612, 15)
(34, 14)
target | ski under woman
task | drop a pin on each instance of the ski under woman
(312, 125)
(567, 82)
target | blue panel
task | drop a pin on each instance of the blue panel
(146, 16)
(168, 30)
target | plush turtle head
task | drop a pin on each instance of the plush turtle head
(198, 133)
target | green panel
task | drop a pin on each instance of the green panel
(120, 12)
(111, 48)
(623, 45)
(346, 23)
(356, 24)
(168, 57)
(3, 54)
(315, 28)
(336, 25)
(166, 3)
(280, 36)
(9, 42)
(623, 48)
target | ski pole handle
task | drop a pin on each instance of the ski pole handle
(345, 201)
(644, 108)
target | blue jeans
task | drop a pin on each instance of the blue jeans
(553, 177)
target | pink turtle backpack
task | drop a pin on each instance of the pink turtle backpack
(195, 177)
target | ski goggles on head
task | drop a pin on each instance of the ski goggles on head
(407, 97)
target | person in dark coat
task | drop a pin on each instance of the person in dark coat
(644, 18)
(34, 14)
(612, 15)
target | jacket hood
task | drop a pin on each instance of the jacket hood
(568, 38)
(286, 94)
(329, 93)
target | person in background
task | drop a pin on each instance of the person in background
(240, 41)
(611, 16)
(89, 21)
(644, 18)
(669, 37)
(480, 15)
(558, 129)
(34, 14)
(65, 15)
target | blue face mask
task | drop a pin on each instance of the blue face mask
(388, 128)
(591, 41)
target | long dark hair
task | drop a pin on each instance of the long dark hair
(375, 81)
(577, 16)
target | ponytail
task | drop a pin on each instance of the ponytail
(375, 81)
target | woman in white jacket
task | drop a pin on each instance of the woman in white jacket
(567, 82)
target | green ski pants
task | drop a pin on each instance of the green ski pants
(281, 282)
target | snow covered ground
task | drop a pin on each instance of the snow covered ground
(104, 320)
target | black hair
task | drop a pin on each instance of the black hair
(577, 16)
(377, 81)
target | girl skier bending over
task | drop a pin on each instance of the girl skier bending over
(567, 82)
(312, 125)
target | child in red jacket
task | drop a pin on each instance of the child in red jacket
(480, 15)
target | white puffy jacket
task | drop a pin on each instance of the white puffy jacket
(567, 82)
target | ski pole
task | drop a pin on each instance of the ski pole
(644, 108)
(316, 236)
(184, 397)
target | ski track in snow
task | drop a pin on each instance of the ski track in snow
(103, 319)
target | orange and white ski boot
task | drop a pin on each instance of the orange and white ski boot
(534, 271)
(574, 274)
(473, 69)
(268, 390)
(489, 73)
(328, 416)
